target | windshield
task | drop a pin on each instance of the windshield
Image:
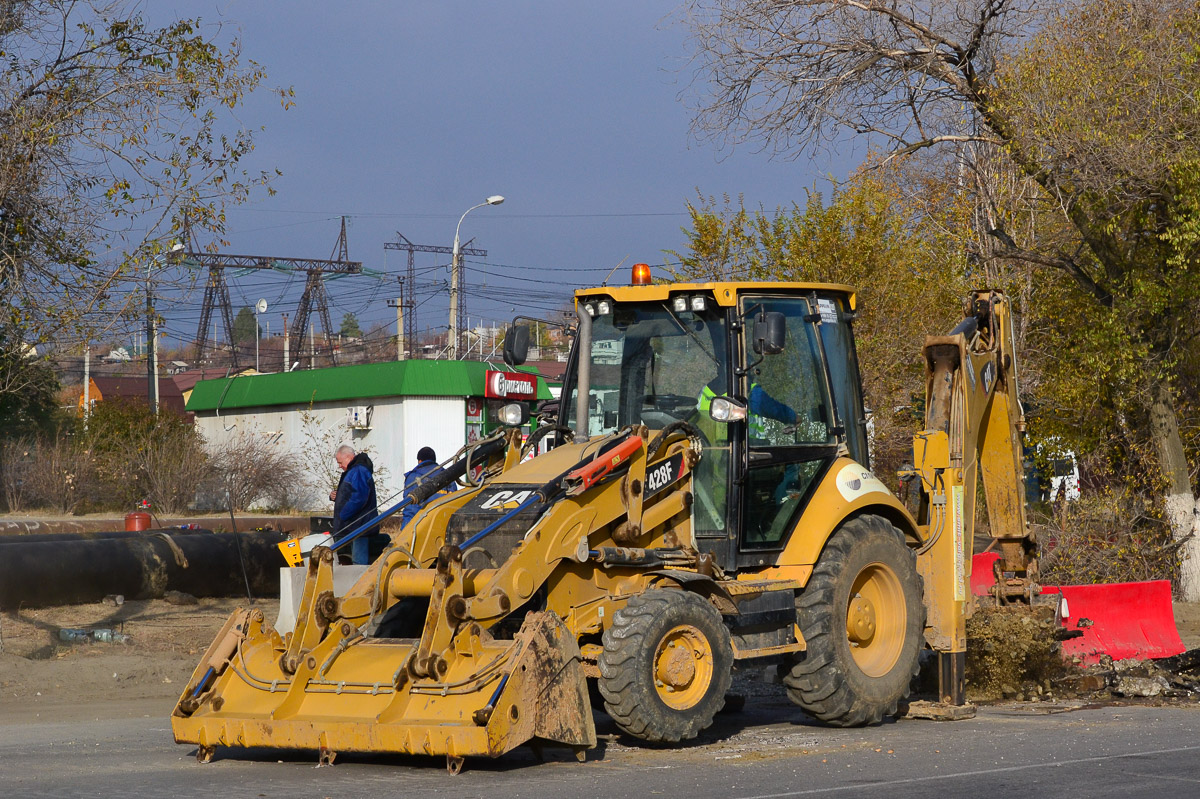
(650, 365)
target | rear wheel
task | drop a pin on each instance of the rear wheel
(862, 618)
(665, 666)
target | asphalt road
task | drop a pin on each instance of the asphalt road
(768, 751)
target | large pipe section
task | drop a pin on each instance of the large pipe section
(45, 573)
(63, 538)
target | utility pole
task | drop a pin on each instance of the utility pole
(151, 361)
(286, 354)
(87, 381)
(398, 304)
(402, 243)
(312, 346)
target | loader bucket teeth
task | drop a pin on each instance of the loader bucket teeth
(534, 686)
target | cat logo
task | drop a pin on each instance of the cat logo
(506, 500)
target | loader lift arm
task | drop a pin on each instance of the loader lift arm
(973, 426)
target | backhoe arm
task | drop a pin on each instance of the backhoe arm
(973, 426)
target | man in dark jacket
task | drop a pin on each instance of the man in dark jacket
(426, 466)
(354, 504)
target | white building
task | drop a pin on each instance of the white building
(388, 410)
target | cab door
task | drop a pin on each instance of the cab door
(792, 430)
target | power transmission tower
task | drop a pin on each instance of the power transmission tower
(217, 290)
(216, 293)
(408, 284)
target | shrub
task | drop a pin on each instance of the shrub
(16, 455)
(1110, 536)
(60, 472)
(140, 455)
(252, 470)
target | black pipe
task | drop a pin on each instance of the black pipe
(62, 573)
(62, 538)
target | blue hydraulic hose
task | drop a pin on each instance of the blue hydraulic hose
(496, 694)
(203, 680)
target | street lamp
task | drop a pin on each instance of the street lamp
(152, 333)
(259, 307)
(455, 277)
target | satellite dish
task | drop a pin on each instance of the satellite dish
(261, 306)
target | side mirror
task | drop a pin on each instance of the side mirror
(727, 409)
(516, 345)
(770, 329)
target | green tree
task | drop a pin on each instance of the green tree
(350, 327)
(244, 326)
(114, 136)
(31, 408)
(1093, 104)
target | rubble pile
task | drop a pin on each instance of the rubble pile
(1014, 653)
(1017, 655)
(1175, 677)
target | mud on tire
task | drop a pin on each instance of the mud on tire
(665, 666)
(863, 618)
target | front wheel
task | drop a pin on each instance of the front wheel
(862, 617)
(665, 666)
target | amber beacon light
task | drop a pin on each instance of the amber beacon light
(641, 274)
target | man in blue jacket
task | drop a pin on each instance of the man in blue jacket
(426, 465)
(354, 504)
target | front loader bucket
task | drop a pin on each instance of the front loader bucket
(1121, 620)
(356, 694)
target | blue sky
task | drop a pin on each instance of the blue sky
(409, 113)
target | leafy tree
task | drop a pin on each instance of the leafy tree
(350, 328)
(32, 408)
(114, 135)
(244, 326)
(1093, 104)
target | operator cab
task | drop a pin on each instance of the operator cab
(765, 372)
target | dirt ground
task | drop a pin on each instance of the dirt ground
(39, 673)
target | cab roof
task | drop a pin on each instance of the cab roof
(724, 292)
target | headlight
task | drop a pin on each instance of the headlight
(699, 302)
(514, 414)
(591, 309)
(680, 304)
(604, 307)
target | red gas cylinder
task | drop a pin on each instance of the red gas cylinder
(137, 521)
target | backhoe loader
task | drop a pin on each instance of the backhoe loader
(709, 501)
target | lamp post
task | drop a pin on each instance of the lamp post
(259, 307)
(152, 334)
(455, 278)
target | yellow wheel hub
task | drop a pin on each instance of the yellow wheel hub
(683, 667)
(876, 619)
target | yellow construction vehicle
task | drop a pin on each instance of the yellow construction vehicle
(709, 501)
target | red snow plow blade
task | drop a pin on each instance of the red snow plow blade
(1121, 620)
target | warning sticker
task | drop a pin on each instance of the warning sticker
(956, 522)
(829, 314)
